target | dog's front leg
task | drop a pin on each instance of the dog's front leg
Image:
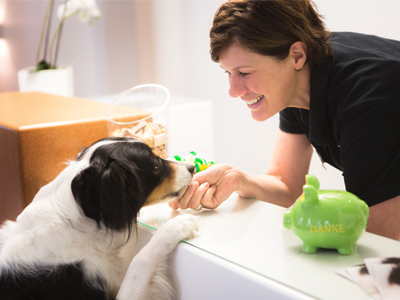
(146, 276)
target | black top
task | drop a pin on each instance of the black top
(354, 117)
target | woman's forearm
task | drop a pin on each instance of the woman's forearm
(268, 188)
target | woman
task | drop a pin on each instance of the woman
(338, 93)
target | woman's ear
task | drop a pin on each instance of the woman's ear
(298, 51)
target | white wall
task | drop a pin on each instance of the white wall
(102, 55)
(379, 17)
(166, 41)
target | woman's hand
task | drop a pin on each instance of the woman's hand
(210, 187)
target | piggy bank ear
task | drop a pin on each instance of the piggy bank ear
(312, 180)
(310, 195)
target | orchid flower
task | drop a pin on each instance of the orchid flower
(86, 10)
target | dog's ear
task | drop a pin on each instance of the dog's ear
(110, 193)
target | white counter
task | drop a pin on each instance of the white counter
(243, 252)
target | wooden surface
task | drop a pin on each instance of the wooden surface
(39, 133)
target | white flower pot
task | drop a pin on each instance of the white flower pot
(57, 81)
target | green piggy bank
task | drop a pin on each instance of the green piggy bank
(330, 219)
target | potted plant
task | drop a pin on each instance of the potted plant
(47, 76)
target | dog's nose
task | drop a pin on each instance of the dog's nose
(190, 168)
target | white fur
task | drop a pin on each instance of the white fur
(54, 230)
(136, 283)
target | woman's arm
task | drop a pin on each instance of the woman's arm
(281, 184)
(384, 218)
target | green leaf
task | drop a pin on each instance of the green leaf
(42, 65)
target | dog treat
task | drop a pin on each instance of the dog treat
(153, 134)
(199, 163)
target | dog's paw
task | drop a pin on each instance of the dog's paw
(181, 227)
(186, 226)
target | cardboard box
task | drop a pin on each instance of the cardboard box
(39, 133)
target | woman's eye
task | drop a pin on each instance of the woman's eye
(243, 74)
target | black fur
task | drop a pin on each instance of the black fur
(111, 191)
(61, 282)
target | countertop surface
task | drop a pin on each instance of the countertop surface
(34, 109)
(250, 233)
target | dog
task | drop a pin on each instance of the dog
(66, 244)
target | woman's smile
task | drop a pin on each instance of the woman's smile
(254, 101)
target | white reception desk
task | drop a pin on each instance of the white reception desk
(243, 252)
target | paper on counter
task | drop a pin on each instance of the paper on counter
(379, 277)
(359, 275)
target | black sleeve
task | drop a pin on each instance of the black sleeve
(370, 152)
(288, 122)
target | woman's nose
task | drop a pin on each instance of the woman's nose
(237, 87)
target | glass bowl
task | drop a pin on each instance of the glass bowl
(141, 112)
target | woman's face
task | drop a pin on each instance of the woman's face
(266, 84)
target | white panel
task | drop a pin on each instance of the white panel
(191, 129)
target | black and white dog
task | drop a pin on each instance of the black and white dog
(66, 244)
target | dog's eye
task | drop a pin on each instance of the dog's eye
(156, 168)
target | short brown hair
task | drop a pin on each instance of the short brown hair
(270, 27)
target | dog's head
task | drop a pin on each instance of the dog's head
(121, 176)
